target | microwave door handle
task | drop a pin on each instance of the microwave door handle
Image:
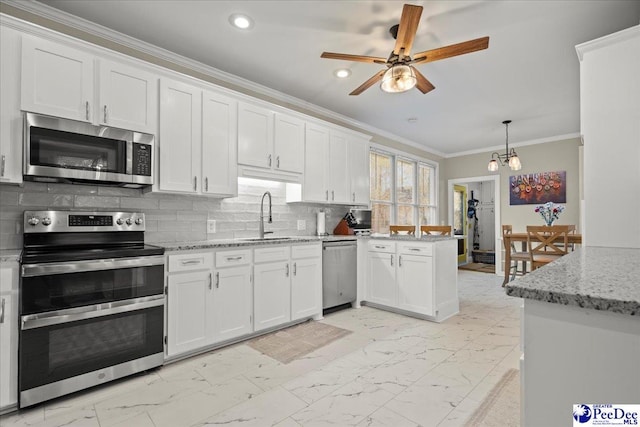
(129, 167)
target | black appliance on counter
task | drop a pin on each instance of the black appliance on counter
(91, 302)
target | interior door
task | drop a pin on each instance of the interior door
(460, 220)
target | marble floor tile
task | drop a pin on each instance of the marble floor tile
(384, 417)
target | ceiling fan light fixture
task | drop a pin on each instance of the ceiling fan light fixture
(399, 78)
(342, 73)
(241, 21)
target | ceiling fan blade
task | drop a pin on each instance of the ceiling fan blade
(451, 50)
(407, 30)
(423, 84)
(366, 85)
(357, 58)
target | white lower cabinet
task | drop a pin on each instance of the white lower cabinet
(306, 281)
(8, 335)
(232, 303)
(271, 294)
(415, 277)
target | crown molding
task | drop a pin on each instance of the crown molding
(44, 11)
(607, 40)
(517, 144)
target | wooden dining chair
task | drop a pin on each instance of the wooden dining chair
(516, 256)
(442, 230)
(395, 229)
(546, 243)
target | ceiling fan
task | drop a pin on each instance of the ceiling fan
(401, 75)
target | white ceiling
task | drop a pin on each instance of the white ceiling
(529, 74)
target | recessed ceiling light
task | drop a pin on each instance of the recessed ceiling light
(342, 73)
(241, 21)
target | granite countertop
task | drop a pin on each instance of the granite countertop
(591, 277)
(9, 255)
(233, 243)
(406, 237)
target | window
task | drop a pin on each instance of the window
(402, 191)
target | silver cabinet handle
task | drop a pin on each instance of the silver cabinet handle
(287, 270)
(209, 281)
(234, 258)
(379, 247)
(399, 260)
(2, 311)
(278, 162)
(190, 262)
(295, 269)
(105, 113)
(206, 183)
(332, 196)
(392, 260)
(414, 249)
(87, 109)
(217, 279)
(269, 160)
(2, 165)
(326, 195)
(195, 183)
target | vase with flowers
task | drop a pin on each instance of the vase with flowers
(549, 212)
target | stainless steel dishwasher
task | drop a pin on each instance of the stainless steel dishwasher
(338, 272)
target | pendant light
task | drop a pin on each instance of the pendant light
(508, 158)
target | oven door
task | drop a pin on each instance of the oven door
(69, 350)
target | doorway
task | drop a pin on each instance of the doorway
(460, 220)
(486, 190)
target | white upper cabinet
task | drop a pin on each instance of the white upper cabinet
(270, 141)
(315, 164)
(128, 97)
(358, 169)
(338, 183)
(255, 136)
(289, 143)
(60, 81)
(11, 123)
(57, 80)
(219, 144)
(180, 139)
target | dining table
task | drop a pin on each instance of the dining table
(572, 238)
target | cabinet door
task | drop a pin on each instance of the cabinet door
(358, 168)
(232, 305)
(381, 278)
(315, 164)
(189, 322)
(219, 144)
(11, 122)
(128, 98)
(8, 352)
(271, 295)
(289, 143)
(415, 284)
(255, 136)
(306, 288)
(180, 139)
(337, 169)
(57, 80)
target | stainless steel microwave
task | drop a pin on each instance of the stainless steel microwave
(62, 150)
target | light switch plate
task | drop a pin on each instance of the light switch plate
(211, 226)
(302, 224)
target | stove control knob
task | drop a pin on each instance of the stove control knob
(33, 221)
(46, 221)
(129, 221)
(119, 221)
(138, 221)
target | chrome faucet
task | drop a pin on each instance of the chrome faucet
(262, 232)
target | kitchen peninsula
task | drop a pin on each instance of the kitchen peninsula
(580, 333)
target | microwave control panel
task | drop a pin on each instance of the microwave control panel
(141, 159)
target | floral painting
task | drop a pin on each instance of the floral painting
(536, 188)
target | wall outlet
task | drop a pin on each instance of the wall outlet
(211, 226)
(302, 224)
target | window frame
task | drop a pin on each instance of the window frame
(417, 161)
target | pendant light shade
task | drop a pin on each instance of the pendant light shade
(508, 158)
(399, 78)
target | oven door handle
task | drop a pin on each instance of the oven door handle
(40, 320)
(31, 270)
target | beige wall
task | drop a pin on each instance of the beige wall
(551, 156)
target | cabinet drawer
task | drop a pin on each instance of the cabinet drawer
(272, 253)
(233, 258)
(382, 246)
(190, 262)
(306, 251)
(425, 249)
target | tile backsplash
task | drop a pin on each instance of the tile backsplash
(169, 217)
